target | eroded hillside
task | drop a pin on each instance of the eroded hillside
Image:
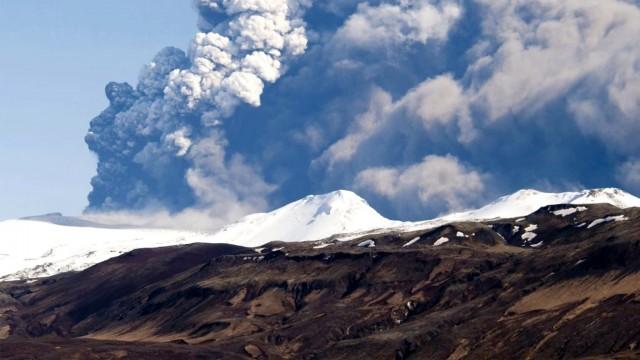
(563, 282)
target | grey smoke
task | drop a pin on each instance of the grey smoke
(278, 99)
(161, 145)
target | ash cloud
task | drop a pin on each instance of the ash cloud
(162, 144)
(275, 100)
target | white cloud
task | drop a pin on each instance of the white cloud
(394, 24)
(435, 179)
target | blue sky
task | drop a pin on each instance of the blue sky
(420, 106)
(56, 59)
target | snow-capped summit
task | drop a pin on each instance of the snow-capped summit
(311, 218)
(525, 202)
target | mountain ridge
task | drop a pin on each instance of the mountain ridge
(51, 244)
(526, 201)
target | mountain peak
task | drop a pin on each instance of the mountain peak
(338, 195)
(336, 200)
(522, 194)
(314, 217)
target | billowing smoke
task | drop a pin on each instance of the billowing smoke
(162, 144)
(421, 106)
(230, 61)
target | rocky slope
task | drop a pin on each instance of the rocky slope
(562, 282)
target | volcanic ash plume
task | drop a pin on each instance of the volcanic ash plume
(231, 61)
(160, 145)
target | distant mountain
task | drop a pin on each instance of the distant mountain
(59, 219)
(50, 244)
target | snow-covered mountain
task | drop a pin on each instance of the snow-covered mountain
(51, 244)
(311, 218)
(524, 202)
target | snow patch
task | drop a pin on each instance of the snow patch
(616, 218)
(412, 241)
(253, 258)
(322, 246)
(528, 236)
(443, 240)
(367, 243)
(569, 211)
